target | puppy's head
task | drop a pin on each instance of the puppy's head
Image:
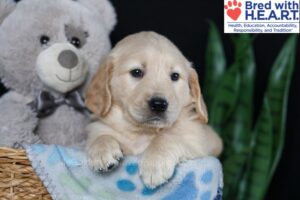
(149, 79)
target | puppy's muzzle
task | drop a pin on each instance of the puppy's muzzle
(158, 105)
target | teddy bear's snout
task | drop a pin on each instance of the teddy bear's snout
(68, 59)
(61, 67)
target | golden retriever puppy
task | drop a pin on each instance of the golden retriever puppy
(147, 100)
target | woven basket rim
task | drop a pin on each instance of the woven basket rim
(18, 178)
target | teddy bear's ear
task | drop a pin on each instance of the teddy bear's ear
(105, 9)
(6, 7)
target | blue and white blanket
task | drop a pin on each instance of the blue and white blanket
(67, 177)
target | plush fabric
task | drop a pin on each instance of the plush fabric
(65, 174)
(23, 24)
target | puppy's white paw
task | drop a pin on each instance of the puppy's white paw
(104, 155)
(156, 170)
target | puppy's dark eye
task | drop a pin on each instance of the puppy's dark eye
(44, 39)
(137, 73)
(175, 76)
(76, 42)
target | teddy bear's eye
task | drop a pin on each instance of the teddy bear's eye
(44, 39)
(76, 42)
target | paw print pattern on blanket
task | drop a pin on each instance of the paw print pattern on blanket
(127, 185)
(65, 174)
(186, 190)
(206, 179)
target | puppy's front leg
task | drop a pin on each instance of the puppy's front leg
(159, 161)
(167, 150)
(104, 153)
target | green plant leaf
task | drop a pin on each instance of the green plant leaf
(277, 93)
(215, 63)
(238, 129)
(260, 160)
(233, 169)
(226, 96)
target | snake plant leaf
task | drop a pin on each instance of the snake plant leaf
(243, 182)
(277, 93)
(215, 63)
(233, 169)
(261, 155)
(238, 129)
(226, 96)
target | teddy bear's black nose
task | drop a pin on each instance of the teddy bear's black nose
(68, 59)
(158, 104)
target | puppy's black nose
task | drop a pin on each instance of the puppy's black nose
(68, 59)
(158, 104)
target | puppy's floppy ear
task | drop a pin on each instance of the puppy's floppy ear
(195, 92)
(98, 95)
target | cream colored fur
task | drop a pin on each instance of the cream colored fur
(119, 101)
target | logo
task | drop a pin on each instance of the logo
(233, 9)
(261, 16)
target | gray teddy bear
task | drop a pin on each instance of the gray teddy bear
(48, 51)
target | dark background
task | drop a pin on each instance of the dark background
(185, 23)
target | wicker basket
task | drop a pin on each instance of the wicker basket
(17, 178)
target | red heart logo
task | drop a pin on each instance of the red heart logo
(234, 13)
